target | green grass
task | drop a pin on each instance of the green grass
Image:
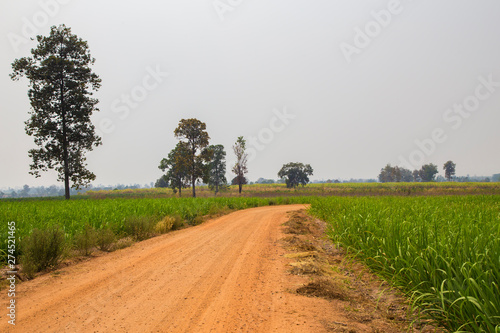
(444, 252)
(73, 215)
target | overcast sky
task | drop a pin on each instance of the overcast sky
(346, 86)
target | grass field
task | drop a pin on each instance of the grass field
(442, 251)
(341, 189)
(74, 215)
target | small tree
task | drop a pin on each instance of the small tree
(217, 168)
(449, 170)
(176, 164)
(162, 182)
(428, 172)
(61, 85)
(295, 174)
(194, 135)
(236, 181)
(240, 167)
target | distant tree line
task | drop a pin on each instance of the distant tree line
(54, 191)
(427, 173)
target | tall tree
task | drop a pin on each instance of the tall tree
(295, 174)
(449, 170)
(177, 166)
(217, 168)
(193, 133)
(240, 167)
(61, 86)
(428, 172)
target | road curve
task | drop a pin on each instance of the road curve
(225, 275)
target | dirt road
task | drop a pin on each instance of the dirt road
(226, 275)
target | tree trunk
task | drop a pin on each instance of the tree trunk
(65, 145)
(194, 184)
(240, 186)
(193, 170)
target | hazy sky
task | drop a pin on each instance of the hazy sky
(346, 86)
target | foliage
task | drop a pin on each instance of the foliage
(395, 174)
(61, 85)
(195, 137)
(428, 172)
(177, 176)
(105, 239)
(237, 181)
(449, 170)
(139, 227)
(42, 249)
(444, 252)
(240, 167)
(162, 181)
(217, 168)
(86, 240)
(295, 174)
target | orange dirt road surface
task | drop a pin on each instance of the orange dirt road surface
(225, 275)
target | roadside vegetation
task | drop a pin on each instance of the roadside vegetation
(48, 231)
(443, 252)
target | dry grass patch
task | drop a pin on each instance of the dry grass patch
(324, 287)
(361, 298)
(297, 225)
(295, 243)
(309, 267)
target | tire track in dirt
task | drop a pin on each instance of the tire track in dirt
(228, 274)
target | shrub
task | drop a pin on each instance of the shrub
(105, 239)
(86, 240)
(178, 222)
(139, 227)
(164, 225)
(42, 249)
(123, 243)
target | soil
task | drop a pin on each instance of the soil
(236, 273)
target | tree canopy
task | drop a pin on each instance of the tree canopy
(217, 168)
(395, 174)
(193, 133)
(240, 167)
(176, 164)
(295, 174)
(449, 170)
(428, 172)
(61, 86)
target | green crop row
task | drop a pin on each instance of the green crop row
(73, 215)
(444, 252)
